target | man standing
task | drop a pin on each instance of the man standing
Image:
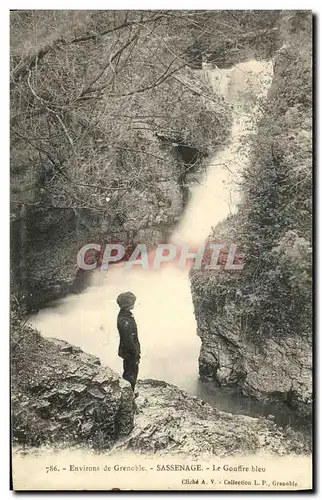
(129, 348)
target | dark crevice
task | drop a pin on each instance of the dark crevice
(188, 159)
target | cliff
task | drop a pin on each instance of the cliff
(255, 325)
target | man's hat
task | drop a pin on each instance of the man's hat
(126, 299)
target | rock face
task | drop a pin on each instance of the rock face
(44, 246)
(278, 370)
(60, 394)
(170, 421)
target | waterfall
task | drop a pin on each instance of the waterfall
(164, 310)
(217, 195)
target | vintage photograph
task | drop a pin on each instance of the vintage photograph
(161, 249)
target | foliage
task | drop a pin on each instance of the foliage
(91, 92)
(273, 293)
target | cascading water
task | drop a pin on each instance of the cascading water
(164, 310)
(217, 195)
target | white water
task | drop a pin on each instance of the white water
(164, 311)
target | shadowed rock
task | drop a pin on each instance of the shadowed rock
(61, 394)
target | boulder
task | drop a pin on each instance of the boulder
(60, 394)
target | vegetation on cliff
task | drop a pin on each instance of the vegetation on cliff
(107, 115)
(266, 309)
(272, 295)
(92, 94)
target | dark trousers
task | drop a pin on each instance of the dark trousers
(130, 370)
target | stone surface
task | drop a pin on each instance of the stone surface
(278, 369)
(169, 421)
(60, 394)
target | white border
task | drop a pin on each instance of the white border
(4, 185)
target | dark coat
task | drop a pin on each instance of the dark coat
(129, 342)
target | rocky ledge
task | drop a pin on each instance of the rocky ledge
(170, 421)
(62, 395)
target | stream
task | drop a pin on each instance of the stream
(164, 310)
